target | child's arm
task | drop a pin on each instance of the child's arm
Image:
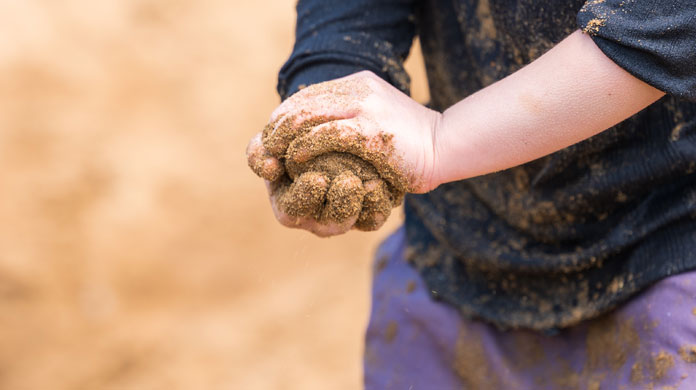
(569, 94)
(574, 91)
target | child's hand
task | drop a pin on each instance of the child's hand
(363, 116)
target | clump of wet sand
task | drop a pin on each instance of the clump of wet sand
(338, 183)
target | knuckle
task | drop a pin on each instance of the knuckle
(279, 112)
(254, 145)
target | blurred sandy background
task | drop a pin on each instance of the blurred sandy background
(137, 250)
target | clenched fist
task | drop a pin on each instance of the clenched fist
(341, 154)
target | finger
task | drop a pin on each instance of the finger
(275, 135)
(319, 229)
(276, 191)
(344, 199)
(305, 196)
(333, 164)
(324, 229)
(351, 136)
(337, 136)
(376, 206)
(329, 229)
(262, 163)
(312, 106)
(278, 134)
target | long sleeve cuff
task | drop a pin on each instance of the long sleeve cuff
(335, 55)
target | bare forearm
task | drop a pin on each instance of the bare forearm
(571, 93)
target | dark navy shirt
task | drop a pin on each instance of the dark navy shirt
(570, 235)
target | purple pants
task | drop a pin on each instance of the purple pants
(416, 343)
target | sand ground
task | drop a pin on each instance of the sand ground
(137, 250)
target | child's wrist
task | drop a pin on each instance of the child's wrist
(438, 164)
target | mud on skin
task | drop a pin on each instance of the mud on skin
(336, 185)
